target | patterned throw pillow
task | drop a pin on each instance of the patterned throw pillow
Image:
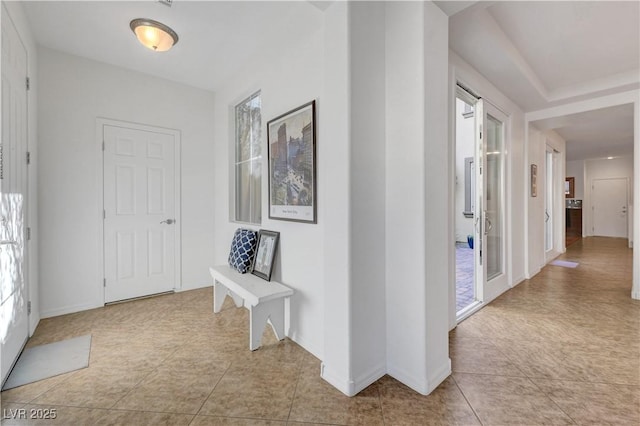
(243, 249)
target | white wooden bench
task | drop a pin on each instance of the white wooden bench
(263, 299)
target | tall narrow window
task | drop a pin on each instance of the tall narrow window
(248, 161)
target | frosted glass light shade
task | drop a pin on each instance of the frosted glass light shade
(154, 35)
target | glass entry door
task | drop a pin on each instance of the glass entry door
(489, 212)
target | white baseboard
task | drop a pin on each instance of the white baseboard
(424, 387)
(352, 387)
(635, 295)
(304, 343)
(347, 387)
(518, 280)
(194, 287)
(532, 274)
(68, 310)
(366, 379)
(34, 320)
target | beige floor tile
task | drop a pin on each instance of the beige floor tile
(94, 387)
(444, 406)
(229, 421)
(62, 415)
(317, 401)
(10, 412)
(595, 403)
(501, 400)
(58, 415)
(31, 391)
(571, 332)
(263, 391)
(478, 355)
(175, 388)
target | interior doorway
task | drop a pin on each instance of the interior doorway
(480, 225)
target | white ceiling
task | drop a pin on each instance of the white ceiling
(539, 54)
(599, 133)
(545, 53)
(216, 38)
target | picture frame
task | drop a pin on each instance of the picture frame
(534, 180)
(291, 144)
(267, 245)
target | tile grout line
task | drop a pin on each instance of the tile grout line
(153, 370)
(466, 399)
(552, 400)
(295, 388)
(211, 393)
(384, 422)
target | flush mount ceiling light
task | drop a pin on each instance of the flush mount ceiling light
(153, 34)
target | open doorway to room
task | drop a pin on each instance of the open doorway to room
(465, 196)
(479, 200)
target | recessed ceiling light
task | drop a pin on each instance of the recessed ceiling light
(153, 34)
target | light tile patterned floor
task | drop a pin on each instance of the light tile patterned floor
(562, 348)
(464, 276)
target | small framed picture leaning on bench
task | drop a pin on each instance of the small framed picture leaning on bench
(251, 260)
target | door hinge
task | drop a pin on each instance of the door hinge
(29, 307)
(28, 233)
(28, 83)
(28, 158)
(104, 214)
(104, 282)
(103, 145)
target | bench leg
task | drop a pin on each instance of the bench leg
(219, 293)
(272, 312)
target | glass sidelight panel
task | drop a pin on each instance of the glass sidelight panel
(548, 200)
(494, 197)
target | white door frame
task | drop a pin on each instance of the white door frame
(503, 282)
(100, 123)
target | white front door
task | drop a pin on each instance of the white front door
(14, 316)
(140, 212)
(609, 207)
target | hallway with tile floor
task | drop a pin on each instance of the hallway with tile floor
(561, 348)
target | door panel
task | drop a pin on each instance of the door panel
(490, 206)
(610, 207)
(140, 232)
(493, 197)
(14, 317)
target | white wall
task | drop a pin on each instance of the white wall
(418, 245)
(287, 77)
(73, 92)
(538, 142)
(19, 19)
(368, 197)
(620, 167)
(465, 147)
(575, 169)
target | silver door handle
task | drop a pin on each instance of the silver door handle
(8, 243)
(168, 221)
(489, 226)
